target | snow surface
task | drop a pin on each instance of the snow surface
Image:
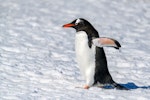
(37, 58)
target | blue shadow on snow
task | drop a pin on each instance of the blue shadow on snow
(131, 85)
(128, 85)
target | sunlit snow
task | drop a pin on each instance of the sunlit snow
(37, 56)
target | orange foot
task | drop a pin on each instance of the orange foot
(86, 87)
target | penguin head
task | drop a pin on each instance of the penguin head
(79, 24)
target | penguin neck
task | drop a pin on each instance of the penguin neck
(91, 33)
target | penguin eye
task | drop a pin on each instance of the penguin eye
(78, 21)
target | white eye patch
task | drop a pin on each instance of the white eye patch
(77, 21)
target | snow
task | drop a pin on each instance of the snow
(37, 56)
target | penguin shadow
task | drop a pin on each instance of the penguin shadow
(128, 86)
(131, 85)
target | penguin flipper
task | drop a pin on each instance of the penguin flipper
(106, 42)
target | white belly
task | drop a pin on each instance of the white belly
(85, 57)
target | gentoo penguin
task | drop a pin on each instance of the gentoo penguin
(91, 56)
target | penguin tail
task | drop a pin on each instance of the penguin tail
(119, 87)
(114, 86)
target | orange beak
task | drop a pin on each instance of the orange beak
(68, 25)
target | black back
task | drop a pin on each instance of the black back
(102, 74)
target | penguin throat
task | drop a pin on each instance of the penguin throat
(91, 33)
